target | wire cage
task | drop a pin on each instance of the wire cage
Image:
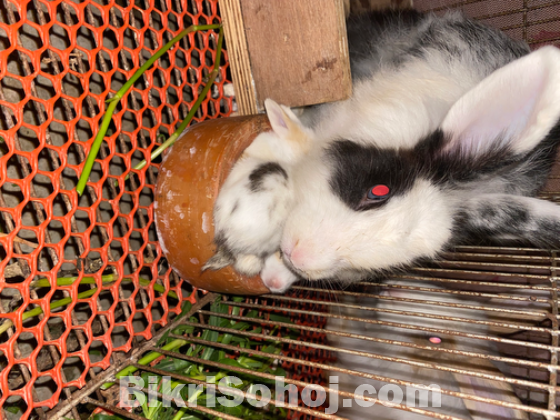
(85, 291)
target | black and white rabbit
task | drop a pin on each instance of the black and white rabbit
(437, 147)
(407, 337)
(253, 202)
(452, 126)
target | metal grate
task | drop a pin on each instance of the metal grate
(515, 287)
(535, 21)
(304, 357)
(491, 307)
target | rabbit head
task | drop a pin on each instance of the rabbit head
(252, 204)
(465, 383)
(359, 208)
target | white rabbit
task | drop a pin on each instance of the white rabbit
(253, 202)
(414, 329)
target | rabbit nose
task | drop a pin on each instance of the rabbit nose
(303, 257)
(293, 254)
(297, 261)
(287, 249)
(297, 257)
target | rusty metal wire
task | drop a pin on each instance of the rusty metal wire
(528, 383)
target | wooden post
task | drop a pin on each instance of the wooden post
(240, 66)
(293, 51)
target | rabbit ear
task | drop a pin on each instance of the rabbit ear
(496, 390)
(282, 119)
(515, 107)
(297, 138)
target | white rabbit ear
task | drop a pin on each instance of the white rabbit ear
(515, 107)
(282, 119)
(295, 137)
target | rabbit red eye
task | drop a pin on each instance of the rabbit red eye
(379, 192)
(435, 340)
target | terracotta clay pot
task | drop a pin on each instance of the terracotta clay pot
(190, 177)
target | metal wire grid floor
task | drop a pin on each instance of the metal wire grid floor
(525, 328)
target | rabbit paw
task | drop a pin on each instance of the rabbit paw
(248, 264)
(275, 275)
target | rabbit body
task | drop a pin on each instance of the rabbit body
(253, 202)
(403, 330)
(454, 123)
(451, 130)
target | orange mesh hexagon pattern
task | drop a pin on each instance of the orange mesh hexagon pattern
(59, 63)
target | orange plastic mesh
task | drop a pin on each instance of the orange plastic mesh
(59, 62)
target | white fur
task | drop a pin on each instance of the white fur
(229, 90)
(397, 108)
(256, 224)
(325, 240)
(275, 275)
(251, 222)
(248, 264)
(320, 236)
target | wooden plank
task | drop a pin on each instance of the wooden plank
(238, 54)
(298, 50)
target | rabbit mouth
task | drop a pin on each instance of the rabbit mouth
(297, 272)
(313, 275)
(290, 266)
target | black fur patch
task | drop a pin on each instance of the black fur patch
(539, 162)
(505, 222)
(490, 220)
(257, 177)
(365, 30)
(222, 257)
(391, 38)
(220, 240)
(521, 174)
(358, 168)
(547, 234)
(455, 168)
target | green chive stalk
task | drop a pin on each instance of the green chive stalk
(114, 101)
(67, 281)
(211, 77)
